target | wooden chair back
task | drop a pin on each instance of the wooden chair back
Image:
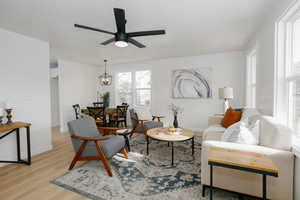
(97, 112)
(77, 110)
(122, 111)
(98, 104)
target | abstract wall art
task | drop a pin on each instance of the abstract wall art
(192, 83)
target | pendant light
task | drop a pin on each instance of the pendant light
(105, 79)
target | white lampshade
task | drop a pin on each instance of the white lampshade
(226, 93)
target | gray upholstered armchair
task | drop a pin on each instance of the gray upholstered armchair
(89, 145)
(142, 125)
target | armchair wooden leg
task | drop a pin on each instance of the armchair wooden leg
(124, 152)
(77, 156)
(131, 134)
(104, 159)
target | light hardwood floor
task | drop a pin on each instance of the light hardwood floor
(34, 182)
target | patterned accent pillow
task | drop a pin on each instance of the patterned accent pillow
(242, 133)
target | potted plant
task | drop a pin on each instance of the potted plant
(105, 98)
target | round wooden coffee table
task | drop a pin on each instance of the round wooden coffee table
(163, 134)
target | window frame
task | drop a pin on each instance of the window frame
(134, 88)
(285, 72)
(251, 79)
(117, 92)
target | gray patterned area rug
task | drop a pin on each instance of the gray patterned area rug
(143, 177)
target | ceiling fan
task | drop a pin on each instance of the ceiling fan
(121, 38)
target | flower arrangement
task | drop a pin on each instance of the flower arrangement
(175, 109)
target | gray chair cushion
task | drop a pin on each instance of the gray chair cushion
(133, 115)
(110, 147)
(153, 124)
(84, 127)
(149, 125)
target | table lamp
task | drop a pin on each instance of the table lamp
(225, 94)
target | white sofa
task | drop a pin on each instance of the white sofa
(274, 140)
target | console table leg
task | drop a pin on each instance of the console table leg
(211, 183)
(264, 187)
(28, 145)
(203, 190)
(18, 144)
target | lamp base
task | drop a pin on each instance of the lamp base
(226, 105)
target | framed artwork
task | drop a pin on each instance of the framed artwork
(192, 83)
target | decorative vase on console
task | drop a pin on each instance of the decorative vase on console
(175, 110)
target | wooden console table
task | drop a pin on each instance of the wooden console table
(244, 161)
(15, 128)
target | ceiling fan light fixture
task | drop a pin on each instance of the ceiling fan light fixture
(121, 44)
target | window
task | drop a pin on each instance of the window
(293, 74)
(143, 88)
(124, 88)
(134, 88)
(251, 80)
(287, 71)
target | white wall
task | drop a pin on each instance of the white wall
(264, 40)
(228, 70)
(54, 94)
(24, 83)
(77, 85)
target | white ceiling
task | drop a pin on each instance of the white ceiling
(193, 27)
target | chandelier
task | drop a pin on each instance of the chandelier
(105, 79)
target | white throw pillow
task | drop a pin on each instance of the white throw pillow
(242, 133)
(249, 113)
(274, 134)
(143, 112)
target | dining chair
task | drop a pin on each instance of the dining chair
(89, 145)
(142, 125)
(98, 113)
(120, 117)
(76, 108)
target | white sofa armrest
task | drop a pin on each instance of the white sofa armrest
(249, 183)
(215, 120)
(212, 135)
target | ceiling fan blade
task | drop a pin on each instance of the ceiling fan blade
(120, 19)
(108, 41)
(93, 29)
(136, 43)
(146, 33)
